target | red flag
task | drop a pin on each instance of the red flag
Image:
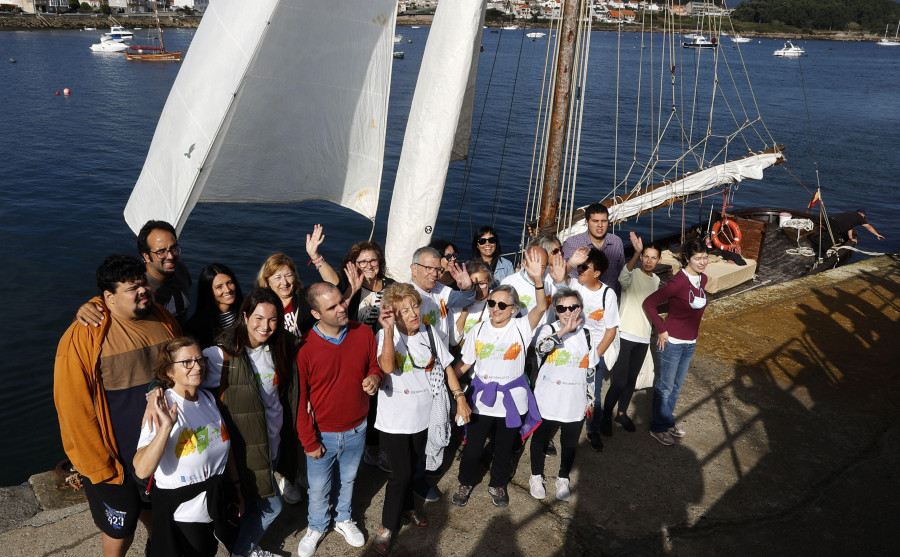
(815, 200)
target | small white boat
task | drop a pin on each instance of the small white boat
(790, 51)
(535, 35)
(397, 38)
(414, 27)
(90, 28)
(511, 28)
(119, 32)
(700, 42)
(740, 39)
(138, 28)
(398, 54)
(109, 46)
(890, 42)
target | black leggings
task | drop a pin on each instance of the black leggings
(624, 375)
(504, 438)
(568, 438)
(196, 539)
(404, 450)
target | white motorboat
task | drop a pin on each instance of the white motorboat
(119, 32)
(790, 51)
(397, 38)
(109, 46)
(535, 35)
(511, 28)
(890, 42)
(700, 41)
(740, 39)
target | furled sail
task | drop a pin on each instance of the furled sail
(658, 195)
(431, 131)
(277, 101)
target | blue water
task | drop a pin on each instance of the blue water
(69, 163)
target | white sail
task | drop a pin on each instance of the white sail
(464, 126)
(325, 66)
(629, 206)
(431, 131)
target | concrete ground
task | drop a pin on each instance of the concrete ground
(790, 409)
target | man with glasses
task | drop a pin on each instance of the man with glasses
(166, 274)
(438, 300)
(596, 217)
(101, 375)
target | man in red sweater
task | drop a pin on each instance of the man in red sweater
(339, 371)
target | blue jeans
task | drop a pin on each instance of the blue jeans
(673, 363)
(593, 424)
(331, 476)
(258, 516)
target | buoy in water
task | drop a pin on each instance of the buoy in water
(66, 91)
(12, 61)
(408, 40)
(57, 93)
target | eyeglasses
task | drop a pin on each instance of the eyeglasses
(562, 309)
(501, 305)
(288, 277)
(189, 364)
(428, 269)
(488, 240)
(451, 256)
(701, 259)
(174, 250)
(367, 262)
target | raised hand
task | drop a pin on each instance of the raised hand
(314, 240)
(533, 266)
(354, 277)
(460, 275)
(569, 322)
(558, 268)
(580, 256)
(636, 242)
(386, 318)
(165, 413)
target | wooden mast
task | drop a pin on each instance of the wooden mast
(559, 113)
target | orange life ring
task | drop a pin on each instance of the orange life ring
(735, 235)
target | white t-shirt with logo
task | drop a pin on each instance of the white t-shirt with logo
(596, 317)
(499, 357)
(434, 308)
(405, 399)
(266, 379)
(561, 385)
(196, 450)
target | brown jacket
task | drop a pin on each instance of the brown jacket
(80, 398)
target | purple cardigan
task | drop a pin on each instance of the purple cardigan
(683, 321)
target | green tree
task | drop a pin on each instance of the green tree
(105, 9)
(73, 5)
(84, 7)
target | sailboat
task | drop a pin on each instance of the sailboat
(225, 134)
(890, 42)
(153, 53)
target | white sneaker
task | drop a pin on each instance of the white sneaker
(290, 494)
(537, 487)
(309, 542)
(257, 552)
(351, 533)
(562, 489)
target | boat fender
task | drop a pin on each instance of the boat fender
(735, 234)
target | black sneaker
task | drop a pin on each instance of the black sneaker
(500, 496)
(461, 497)
(596, 442)
(606, 425)
(626, 423)
(550, 448)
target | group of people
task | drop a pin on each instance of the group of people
(202, 425)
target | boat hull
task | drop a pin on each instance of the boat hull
(154, 57)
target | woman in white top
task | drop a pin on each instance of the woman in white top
(634, 334)
(187, 456)
(412, 402)
(500, 395)
(482, 279)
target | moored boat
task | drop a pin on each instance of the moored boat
(153, 53)
(109, 46)
(790, 51)
(890, 42)
(700, 41)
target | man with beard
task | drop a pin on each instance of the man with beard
(166, 274)
(101, 376)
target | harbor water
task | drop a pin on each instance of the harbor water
(69, 164)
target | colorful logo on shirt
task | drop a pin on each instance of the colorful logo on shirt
(597, 315)
(407, 363)
(430, 318)
(115, 518)
(525, 301)
(513, 352)
(562, 357)
(191, 441)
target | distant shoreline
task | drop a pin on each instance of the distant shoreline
(29, 22)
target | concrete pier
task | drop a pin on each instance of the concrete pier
(792, 448)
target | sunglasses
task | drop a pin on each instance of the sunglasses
(562, 309)
(501, 305)
(555, 251)
(450, 256)
(584, 267)
(489, 240)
